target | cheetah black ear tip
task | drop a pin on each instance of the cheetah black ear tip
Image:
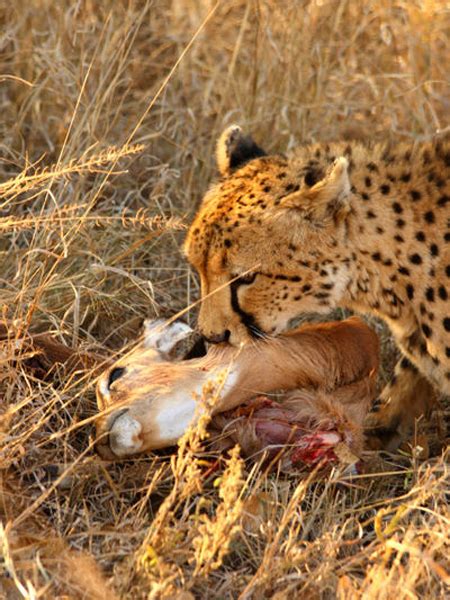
(231, 133)
(234, 149)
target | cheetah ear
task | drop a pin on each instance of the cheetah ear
(327, 198)
(234, 149)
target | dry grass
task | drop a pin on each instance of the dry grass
(105, 148)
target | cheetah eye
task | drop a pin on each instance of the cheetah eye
(246, 279)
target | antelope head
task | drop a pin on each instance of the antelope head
(147, 401)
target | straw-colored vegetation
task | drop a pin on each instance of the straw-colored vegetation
(109, 115)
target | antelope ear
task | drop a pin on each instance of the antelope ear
(163, 336)
(234, 149)
(329, 197)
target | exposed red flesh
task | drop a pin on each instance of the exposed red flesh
(265, 425)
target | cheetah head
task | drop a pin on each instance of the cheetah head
(268, 240)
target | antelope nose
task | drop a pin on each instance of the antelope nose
(118, 436)
(217, 338)
(104, 451)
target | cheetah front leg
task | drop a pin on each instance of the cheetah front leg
(405, 398)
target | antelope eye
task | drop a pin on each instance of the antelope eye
(115, 374)
(247, 278)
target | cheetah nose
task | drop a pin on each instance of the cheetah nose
(217, 338)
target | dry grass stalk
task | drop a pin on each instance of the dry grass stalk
(25, 182)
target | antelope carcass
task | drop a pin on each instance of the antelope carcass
(327, 372)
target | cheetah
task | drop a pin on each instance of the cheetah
(360, 226)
